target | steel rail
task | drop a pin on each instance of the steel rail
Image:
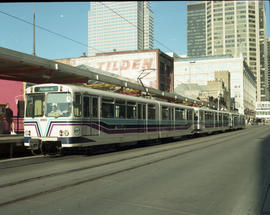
(58, 188)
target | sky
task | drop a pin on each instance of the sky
(70, 19)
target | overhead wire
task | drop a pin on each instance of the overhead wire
(75, 41)
(50, 31)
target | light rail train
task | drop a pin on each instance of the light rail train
(59, 117)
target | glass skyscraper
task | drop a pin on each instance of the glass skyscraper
(196, 40)
(238, 28)
(120, 26)
(231, 28)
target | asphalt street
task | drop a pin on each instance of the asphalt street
(220, 174)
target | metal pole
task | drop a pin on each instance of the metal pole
(34, 23)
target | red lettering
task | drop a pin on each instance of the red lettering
(108, 66)
(100, 65)
(147, 63)
(115, 68)
(136, 64)
(125, 65)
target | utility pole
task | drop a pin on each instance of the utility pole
(34, 35)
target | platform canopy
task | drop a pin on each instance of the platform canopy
(18, 66)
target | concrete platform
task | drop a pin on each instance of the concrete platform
(9, 143)
(8, 138)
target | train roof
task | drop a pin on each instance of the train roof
(103, 93)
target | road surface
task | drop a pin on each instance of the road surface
(220, 174)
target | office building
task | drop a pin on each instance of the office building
(120, 26)
(238, 28)
(196, 29)
(211, 68)
(268, 61)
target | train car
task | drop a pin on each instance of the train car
(237, 121)
(209, 121)
(68, 116)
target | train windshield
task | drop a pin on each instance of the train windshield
(34, 105)
(58, 105)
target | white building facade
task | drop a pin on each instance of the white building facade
(263, 111)
(201, 70)
(120, 26)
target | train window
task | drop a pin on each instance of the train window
(212, 116)
(151, 112)
(144, 111)
(189, 114)
(196, 116)
(95, 107)
(165, 113)
(107, 108)
(208, 115)
(34, 106)
(179, 114)
(131, 110)
(86, 106)
(171, 113)
(120, 109)
(58, 104)
(226, 119)
(77, 105)
(141, 111)
(201, 115)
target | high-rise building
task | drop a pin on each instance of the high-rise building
(268, 60)
(120, 26)
(196, 40)
(238, 28)
(263, 53)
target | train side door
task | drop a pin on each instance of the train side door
(86, 115)
(196, 119)
(94, 117)
(142, 117)
(90, 115)
(202, 119)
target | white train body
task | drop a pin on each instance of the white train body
(63, 116)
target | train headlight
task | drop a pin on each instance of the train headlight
(63, 133)
(66, 133)
(27, 133)
(77, 131)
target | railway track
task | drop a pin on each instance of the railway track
(113, 165)
(39, 159)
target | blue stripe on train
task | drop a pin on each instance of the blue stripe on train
(123, 126)
(72, 140)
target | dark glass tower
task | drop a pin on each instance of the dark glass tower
(196, 30)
